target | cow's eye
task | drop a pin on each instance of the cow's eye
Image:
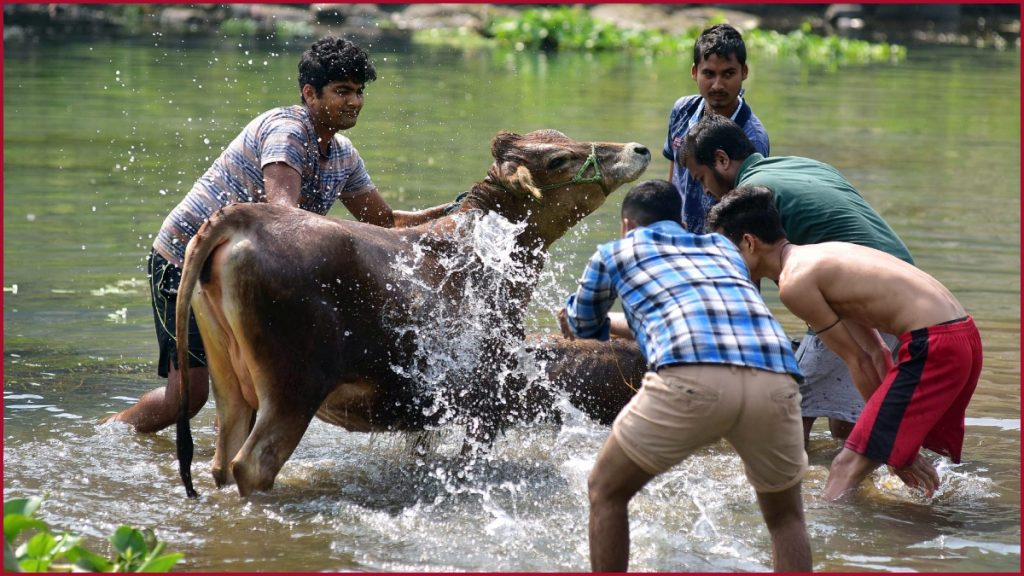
(557, 162)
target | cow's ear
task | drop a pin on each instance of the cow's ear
(502, 143)
(517, 179)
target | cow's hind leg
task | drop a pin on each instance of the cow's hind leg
(234, 413)
(235, 420)
(280, 425)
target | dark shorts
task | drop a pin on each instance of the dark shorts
(923, 399)
(164, 278)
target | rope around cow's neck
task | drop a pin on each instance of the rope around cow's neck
(456, 204)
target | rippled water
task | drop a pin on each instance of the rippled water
(92, 168)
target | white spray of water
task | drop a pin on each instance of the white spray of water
(451, 366)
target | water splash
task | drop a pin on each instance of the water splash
(469, 365)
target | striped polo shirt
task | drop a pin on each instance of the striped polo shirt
(283, 134)
(687, 297)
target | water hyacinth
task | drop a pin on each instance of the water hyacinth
(568, 28)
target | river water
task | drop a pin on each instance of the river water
(101, 140)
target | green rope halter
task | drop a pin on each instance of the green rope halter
(579, 178)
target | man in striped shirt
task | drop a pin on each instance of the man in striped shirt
(291, 155)
(721, 367)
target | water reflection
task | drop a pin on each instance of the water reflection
(78, 336)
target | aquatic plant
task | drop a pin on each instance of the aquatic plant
(135, 550)
(289, 30)
(805, 46)
(573, 28)
(238, 28)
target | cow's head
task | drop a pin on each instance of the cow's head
(553, 181)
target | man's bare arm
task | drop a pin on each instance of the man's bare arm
(619, 327)
(871, 341)
(373, 209)
(803, 298)
(370, 208)
(282, 184)
(405, 219)
(862, 367)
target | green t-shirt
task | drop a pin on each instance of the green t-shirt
(817, 204)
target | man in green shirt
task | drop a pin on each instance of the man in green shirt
(816, 204)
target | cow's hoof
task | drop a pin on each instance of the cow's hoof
(249, 482)
(221, 478)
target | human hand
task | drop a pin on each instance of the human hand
(563, 323)
(919, 474)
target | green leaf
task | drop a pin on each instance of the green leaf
(34, 565)
(162, 563)
(137, 550)
(14, 524)
(40, 546)
(23, 506)
(88, 561)
(64, 543)
(18, 514)
(126, 539)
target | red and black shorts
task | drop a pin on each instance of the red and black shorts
(923, 399)
(164, 278)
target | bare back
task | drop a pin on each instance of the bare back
(858, 284)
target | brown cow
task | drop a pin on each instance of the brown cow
(304, 315)
(598, 378)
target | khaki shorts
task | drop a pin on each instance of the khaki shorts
(683, 408)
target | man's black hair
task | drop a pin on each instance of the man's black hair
(747, 210)
(715, 132)
(721, 40)
(330, 59)
(651, 201)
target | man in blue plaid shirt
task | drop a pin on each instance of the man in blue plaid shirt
(721, 367)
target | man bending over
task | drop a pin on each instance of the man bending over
(846, 294)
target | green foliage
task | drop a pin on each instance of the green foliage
(238, 28)
(828, 50)
(573, 28)
(287, 30)
(42, 551)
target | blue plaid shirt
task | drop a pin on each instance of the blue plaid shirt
(688, 299)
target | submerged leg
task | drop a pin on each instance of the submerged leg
(613, 482)
(271, 442)
(234, 418)
(783, 513)
(286, 406)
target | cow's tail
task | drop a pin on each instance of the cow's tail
(196, 254)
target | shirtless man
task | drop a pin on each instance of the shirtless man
(846, 294)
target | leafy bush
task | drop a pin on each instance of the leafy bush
(287, 30)
(238, 28)
(573, 28)
(136, 550)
